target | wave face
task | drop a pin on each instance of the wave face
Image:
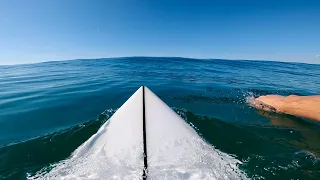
(48, 110)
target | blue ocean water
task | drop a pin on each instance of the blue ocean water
(48, 109)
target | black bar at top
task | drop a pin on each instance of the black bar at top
(145, 158)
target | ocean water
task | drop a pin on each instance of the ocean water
(47, 110)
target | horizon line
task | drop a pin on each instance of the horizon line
(119, 57)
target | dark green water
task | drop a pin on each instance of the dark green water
(47, 110)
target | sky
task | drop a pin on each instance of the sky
(45, 30)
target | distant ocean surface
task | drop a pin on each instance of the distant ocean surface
(49, 109)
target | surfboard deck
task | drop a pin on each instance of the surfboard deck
(146, 139)
(164, 144)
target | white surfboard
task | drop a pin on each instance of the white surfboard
(146, 139)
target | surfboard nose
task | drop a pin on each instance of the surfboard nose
(146, 138)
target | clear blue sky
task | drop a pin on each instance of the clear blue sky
(43, 30)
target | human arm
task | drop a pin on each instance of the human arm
(302, 106)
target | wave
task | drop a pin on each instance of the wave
(28, 157)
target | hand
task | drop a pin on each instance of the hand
(274, 103)
(301, 106)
